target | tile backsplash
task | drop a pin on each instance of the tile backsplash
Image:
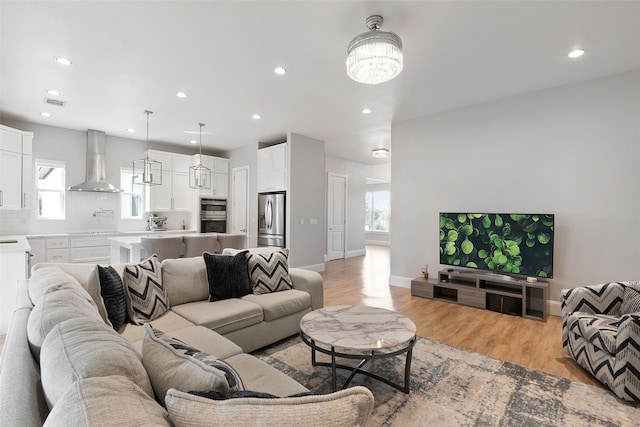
(84, 212)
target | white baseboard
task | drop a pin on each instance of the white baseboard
(351, 254)
(314, 267)
(378, 242)
(555, 308)
(400, 281)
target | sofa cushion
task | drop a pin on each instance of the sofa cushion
(53, 308)
(147, 297)
(228, 276)
(599, 329)
(112, 293)
(80, 348)
(185, 280)
(260, 376)
(280, 304)
(269, 272)
(173, 364)
(92, 401)
(168, 322)
(630, 300)
(344, 408)
(50, 279)
(222, 316)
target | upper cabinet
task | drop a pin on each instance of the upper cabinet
(219, 168)
(16, 167)
(174, 193)
(272, 168)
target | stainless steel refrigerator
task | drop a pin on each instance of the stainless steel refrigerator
(271, 219)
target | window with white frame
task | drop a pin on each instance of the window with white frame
(377, 211)
(131, 197)
(50, 176)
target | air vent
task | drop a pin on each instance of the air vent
(55, 102)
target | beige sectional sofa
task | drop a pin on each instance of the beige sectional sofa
(63, 364)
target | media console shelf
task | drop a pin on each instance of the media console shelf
(488, 291)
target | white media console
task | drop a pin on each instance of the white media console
(488, 291)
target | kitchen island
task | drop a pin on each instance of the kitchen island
(128, 249)
(14, 267)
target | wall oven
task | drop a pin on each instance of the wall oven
(213, 216)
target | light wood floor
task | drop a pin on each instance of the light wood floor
(538, 345)
(364, 281)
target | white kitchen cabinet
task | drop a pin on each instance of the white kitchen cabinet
(272, 168)
(16, 168)
(10, 180)
(90, 249)
(174, 193)
(57, 249)
(219, 168)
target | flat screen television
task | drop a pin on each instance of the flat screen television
(512, 244)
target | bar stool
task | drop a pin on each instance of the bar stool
(197, 244)
(164, 247)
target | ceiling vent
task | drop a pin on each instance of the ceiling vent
(55, 102)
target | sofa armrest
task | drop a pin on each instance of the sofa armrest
(597, 299)
(22, 401)
(311, 282)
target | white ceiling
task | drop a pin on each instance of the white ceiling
(131, 56)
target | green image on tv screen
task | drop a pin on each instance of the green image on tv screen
(517, 244)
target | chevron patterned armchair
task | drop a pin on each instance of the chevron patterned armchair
(601, 332)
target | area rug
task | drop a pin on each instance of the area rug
(455, 387)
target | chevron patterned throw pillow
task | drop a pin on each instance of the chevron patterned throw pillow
(147, 297)
(269, 272)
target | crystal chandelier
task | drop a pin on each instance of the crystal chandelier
(147, 171)
(375, 56)
(200, 175)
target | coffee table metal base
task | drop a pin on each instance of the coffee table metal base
(364, 359)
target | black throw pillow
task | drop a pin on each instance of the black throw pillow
(112, 291)
(228, 276)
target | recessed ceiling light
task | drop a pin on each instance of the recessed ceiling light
(63, 61)
(280, 71)
(256, 117)
(53, 92)
(367, 111)
(181, 95)
(576, 53)
(193, 141)
(45, 114)
(131, 130)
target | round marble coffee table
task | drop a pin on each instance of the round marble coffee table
(362, 333)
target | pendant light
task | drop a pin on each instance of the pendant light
(200, 175)
(147, 171)
(375, 56)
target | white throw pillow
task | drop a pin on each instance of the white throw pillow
(344, 408)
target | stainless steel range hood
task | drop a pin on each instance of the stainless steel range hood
(96, 172)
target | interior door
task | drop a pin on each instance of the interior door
(336, 205)
(240, 200)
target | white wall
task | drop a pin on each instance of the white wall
(572, 151)
(306, 202)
